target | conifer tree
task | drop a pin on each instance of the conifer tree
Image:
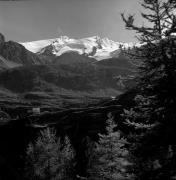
(49, 158)
(108, 159)
(155, 111)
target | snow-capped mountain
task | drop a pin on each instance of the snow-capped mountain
(96, 47)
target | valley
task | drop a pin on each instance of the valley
(74, 92)
(48, 80)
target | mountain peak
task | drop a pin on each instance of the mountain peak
(2, 38)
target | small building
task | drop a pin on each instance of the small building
(113, 97)
(36, 110)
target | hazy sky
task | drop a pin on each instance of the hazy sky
(43, 19)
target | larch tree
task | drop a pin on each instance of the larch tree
(155, 112)
(49, 158)
(108, 159)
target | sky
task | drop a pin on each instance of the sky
(31, 20)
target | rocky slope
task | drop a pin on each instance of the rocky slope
(13, 54)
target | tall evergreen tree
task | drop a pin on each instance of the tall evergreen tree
(155, 111)
(108, 159)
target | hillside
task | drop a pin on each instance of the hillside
(14, 54)
(61, 82)
(71, 79)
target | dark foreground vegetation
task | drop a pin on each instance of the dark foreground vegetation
(130, 137)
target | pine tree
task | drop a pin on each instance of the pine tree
(155, 111)
(108, 159)
(49, 158)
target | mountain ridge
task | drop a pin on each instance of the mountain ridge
(94, 47)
